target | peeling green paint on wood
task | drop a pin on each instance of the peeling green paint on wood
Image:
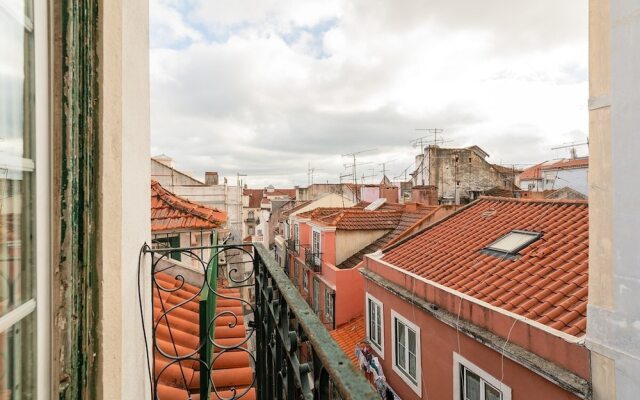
(75, 173)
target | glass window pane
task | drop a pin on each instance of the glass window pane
(491, 393)
(412, 365)
(412, 341)
(16, 168)
(17, 361)
(378, 326)
(471, 386)
(401, 345)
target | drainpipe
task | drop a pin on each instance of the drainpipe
(207, 312)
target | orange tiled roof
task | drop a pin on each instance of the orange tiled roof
(348, 336)
(232, 368)
(256, 195)
(409, 221)
(547, 282)
(568, 163)
(532, 173)
(171, 213)
(356, 218)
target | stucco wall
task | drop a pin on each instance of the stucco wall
(575, 178)
(613, 331)
(438, 343)
(350, 242)
(472, 172)
(125, 211)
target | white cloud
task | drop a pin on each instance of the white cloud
(265, 87)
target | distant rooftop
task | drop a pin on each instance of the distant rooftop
(170, 212)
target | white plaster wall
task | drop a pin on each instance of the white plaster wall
(125, 193)
(575, 178)
(349, 243)
(613, 330)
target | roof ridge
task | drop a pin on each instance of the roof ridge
(521, 200)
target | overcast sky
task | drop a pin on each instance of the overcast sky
(267, 87)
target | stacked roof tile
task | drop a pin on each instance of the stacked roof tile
(547, 280)
(173, 213)
(177, 334)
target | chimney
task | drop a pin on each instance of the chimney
(391, 193)
(210, 178)
(425, 194)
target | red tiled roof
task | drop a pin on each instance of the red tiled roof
(532, 173)
(231, 368)
(409, 221)
(354, 219)
(171, 213)
(568, 163)
(348, 336)
(546, 283)
(256, 196)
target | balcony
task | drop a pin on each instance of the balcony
(212, 339)
(292, 246)
(313, 260)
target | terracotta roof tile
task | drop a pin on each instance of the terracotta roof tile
(568, 163)
(348, 336)
(532, 173)
(178, 334)
(172, 213)
(546, 281)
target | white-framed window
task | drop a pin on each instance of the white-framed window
(375, 324)
(24, 200)
(296, 235)
(470, 382)
(305, 280)
(316, 296)
(406, 351)
(328, 304)
(316, 245)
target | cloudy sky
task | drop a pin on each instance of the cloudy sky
(268, 87)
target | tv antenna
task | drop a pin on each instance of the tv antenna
(354, 165)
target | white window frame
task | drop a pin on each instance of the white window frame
(377, 347)
(328, 304)
(316, 251)
(305, 280)
(460, 362)
(296, 235)
(417, 386)
(316, 296)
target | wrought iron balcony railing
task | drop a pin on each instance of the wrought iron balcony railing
(313, 260)
(292, 246)
(246, 314)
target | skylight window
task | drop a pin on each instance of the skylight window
(513, 242)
